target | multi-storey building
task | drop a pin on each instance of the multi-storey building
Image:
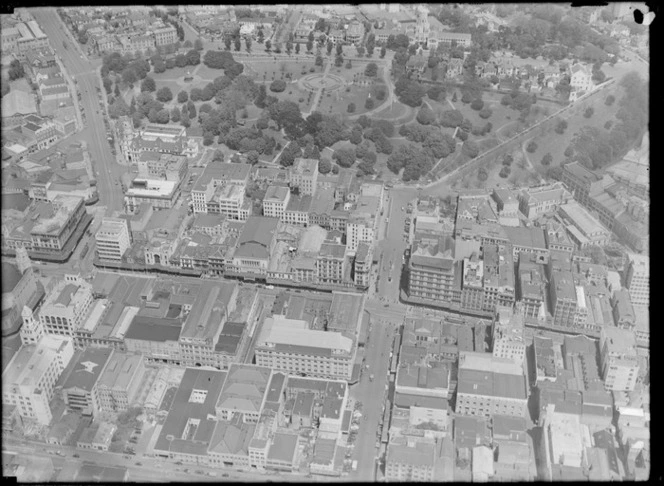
(472, 289)
(637, 279)
(10, 37)
(581, 78)
(208, 310)
(432, 273)
(584, 230)
(304, 174)
(508, 334)
(445, 37)
(623, 311)
(355, 32)
(216, 175)
(28, 381)
(66, 307)
(528, 240)
(31, 38)
(297, 210)
(556, 237)
(165, 35)
(331, 263)
(60, 219)
(112, 239)
(80, 390)
(362, 264)
(255, 245)
(243, 392)
(488, 385)
(159, 194)
(361, 227)
(531, 288)
(562, 295)
(620, 367)
(407, 462)
(289, 345)
(40, 129)
(276, 201)
(155, 165)
(119, 384)
(228, 199)
(499, 286)
(580, 181)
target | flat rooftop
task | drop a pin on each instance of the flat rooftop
(582, 219)
(277, 330)
(31, 362)
(62, 209)
(84, 372)
(189, 427)
(120, 370)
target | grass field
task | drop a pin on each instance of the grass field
(176, 72)
(338, 102)
(208, 74)
(270, 70)
(548, 141)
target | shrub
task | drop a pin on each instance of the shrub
(569, 151)
(609, 100)
(531, 147)
(278, 86)
(477, 104)
(466, 98)
(482, 175)
(351, 107)
(608, 124)
(369, 104)
(485, 113)
(547, 159)
(589, 112)
(505, 172)
(426, 116)
(471, 149)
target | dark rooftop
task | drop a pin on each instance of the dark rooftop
(147, 328)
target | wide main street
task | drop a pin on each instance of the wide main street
(371, 392)
(107, 170)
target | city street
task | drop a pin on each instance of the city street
(149, 470)
(84, 72)
(371, 394)
(392, 244)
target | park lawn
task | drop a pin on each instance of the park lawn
(337, 102)
(176, 72)
(393, 112)
(208, 74)
(176, 88)
(297, 95)
(270, 70)
(549, 141)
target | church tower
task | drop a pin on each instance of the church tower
(32, 329)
